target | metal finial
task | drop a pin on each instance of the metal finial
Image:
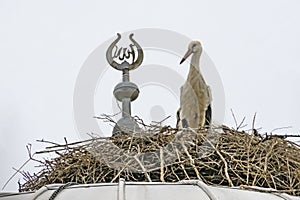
(123, 54)
(125, 91)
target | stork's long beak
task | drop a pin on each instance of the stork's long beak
(187, 54)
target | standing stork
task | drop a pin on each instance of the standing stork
(195, 96)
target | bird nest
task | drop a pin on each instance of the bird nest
(221, 156)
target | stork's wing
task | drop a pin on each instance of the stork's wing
(189, 105)
(208, 113)
(178, 118)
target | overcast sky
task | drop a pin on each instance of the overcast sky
(254, 46)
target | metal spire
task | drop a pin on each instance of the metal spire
(125, 91)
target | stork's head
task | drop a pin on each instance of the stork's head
(194, 47)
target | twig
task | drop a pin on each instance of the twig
(280, 128)
(235, 121)
(106, 118)
(240, 125)
(253, 121)
(161, 155)
(73, 143)
(223, 160)
(191, 161)
(49, 142)
(159, 123)
(14, 174)
(143, 169)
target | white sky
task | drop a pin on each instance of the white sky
(43, 44)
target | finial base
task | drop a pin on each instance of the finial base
(126, 125)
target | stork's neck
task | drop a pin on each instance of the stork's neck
(194, 66)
